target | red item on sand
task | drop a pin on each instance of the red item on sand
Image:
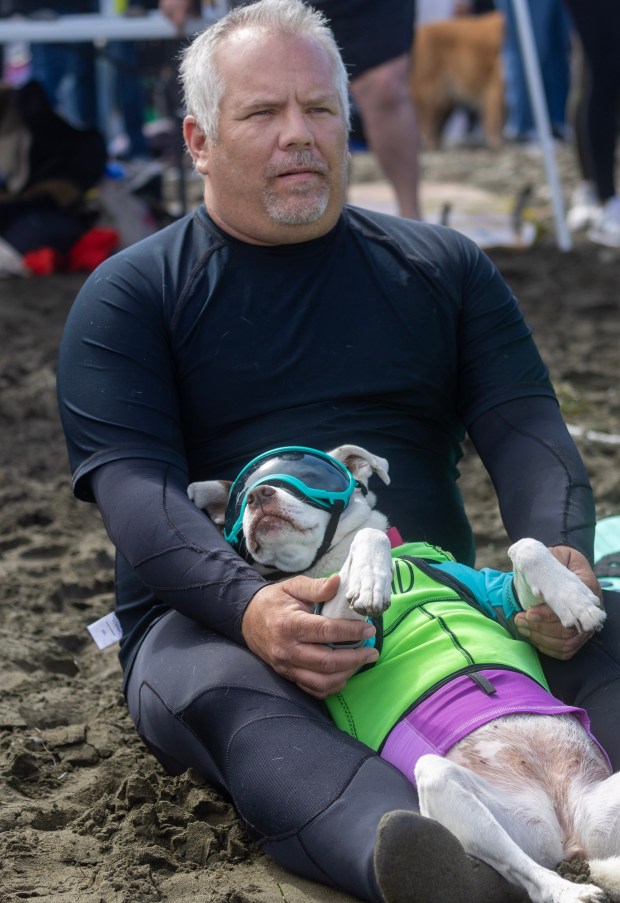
(87, 253)
(43, 261)
(91, 249)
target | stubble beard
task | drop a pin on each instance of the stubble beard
(302, 204)
(297, 208)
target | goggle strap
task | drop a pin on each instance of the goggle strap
(326, 505)
(330, 530)
(337, 510)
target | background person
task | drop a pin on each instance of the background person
(551, 29)
(273, 316)
(375, 40)
(598, 26)
(68, 73)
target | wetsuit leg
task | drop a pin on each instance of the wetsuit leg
(591, 679)
(299, 783)
(319, 802)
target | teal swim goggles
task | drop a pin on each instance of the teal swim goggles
(306, 473)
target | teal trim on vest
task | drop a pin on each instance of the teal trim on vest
(433, 631)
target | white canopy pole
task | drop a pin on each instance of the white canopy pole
(531, 66)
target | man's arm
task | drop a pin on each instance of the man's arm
(178, 552)
(543, 492)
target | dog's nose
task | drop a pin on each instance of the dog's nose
(261, 492)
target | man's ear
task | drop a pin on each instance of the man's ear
(197, 144)
(361, 463)
(212, 497)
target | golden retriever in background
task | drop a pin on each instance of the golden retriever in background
(457, 62)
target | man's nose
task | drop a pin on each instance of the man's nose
(296, 129)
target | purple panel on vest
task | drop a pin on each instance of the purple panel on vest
(461, 706)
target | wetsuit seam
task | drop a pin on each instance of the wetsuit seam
(456, 643)
(214, 554)
(199, 265)
(234, 686)
(583, 703)
(297, 832)
(171, 712)
(242, 571)
(570, 486)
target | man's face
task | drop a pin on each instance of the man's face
(277, 172)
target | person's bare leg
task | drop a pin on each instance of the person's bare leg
(390, 125)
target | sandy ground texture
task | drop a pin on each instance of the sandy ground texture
(86, 815)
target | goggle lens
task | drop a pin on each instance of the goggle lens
(304, 472)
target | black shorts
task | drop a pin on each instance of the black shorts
(369, 32)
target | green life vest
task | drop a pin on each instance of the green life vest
(434, 630)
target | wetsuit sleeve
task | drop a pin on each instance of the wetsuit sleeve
(493, 590)
(538, 474)
(174, 548)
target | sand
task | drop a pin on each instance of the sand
(86, 815)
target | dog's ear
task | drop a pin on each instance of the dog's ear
(212, 497)
(361, 463)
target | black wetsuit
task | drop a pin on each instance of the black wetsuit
(189, 353)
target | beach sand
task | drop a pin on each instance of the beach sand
(86, 814)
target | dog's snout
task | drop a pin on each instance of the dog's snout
(260, 493)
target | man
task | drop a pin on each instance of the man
(275, 316)
(375, 41)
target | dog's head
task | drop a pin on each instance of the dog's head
(289, 506)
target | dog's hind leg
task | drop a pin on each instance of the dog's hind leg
(493, 113)
(606, 874)
(484, 820)
(597, 829)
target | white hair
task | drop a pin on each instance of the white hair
(200, 79)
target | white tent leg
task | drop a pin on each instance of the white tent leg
(531, 66)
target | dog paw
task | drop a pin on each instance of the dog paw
(366, 577)
(578, 893)
(539, 577)
(590, 621)
(371, 602)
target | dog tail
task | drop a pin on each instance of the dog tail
(605, 873)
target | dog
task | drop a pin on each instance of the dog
(521, 792)
(457, 62)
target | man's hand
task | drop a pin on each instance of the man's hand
(542, 627)
(279, 627)
(578, 564)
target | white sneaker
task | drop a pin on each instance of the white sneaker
(606, 229)
(584, 208)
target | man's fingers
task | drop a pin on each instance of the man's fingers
(324, 672)
(279, 626)
(312, 591)
(543, 629)
(325, 631)
(322, 658)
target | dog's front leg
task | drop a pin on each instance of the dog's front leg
(365, 578)
(539, 577)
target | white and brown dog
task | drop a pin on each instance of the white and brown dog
(457, 62)
(522, 792)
